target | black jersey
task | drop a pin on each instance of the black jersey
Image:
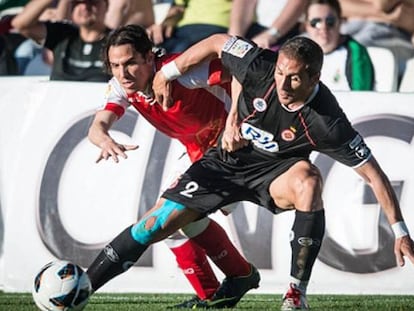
(74, 59)
(275, 131)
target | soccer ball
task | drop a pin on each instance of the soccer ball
(61, 286)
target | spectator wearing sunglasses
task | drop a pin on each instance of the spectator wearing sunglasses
(347, 65)
(388, 24)
(76, 45)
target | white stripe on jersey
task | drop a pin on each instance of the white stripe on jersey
(198, 76)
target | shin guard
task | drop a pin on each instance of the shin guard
(117, 257)
(307, 233)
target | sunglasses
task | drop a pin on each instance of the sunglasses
(316, 22)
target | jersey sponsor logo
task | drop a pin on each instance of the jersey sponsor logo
(361, 149)
(259, 104)
(261, 139)
(288, 134)
(237, 47)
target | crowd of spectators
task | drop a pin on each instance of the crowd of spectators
(62, 38)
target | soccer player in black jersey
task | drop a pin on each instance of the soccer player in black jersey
(281, 114)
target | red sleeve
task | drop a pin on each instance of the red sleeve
(215, 72)
(117, 109)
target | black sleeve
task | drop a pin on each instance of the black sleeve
(59, 31)
(348, 147)
(245, 60)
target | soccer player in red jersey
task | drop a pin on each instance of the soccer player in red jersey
(197, 119)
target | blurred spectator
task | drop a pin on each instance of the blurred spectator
(8, 44)
(124, 12)
(388, 24)
(9, 40)
(29, 53)
(269, 23)
(76, 45)
(31, 57)
(347, 64)
(189, 21)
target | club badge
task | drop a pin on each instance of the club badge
(259, 104)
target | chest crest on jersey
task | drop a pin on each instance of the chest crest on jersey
(259, 104)
(288, 134)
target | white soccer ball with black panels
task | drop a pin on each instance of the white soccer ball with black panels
(61, 286)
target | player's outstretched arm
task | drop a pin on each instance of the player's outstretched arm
(231, 139)
(99, 136)
(208, 48)
(381, 186)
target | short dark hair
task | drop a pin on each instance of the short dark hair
(134, 35)
(334, 4)
(305, 50)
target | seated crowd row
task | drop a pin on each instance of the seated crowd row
(368, 45)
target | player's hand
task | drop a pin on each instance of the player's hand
(404, 247)
(162, 90)
(231, 139)
(111, 149)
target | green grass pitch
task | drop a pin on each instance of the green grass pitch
(153, 302)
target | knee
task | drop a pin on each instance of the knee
(307, 180)
(196, 227)
(152, 228)
(143, 231)
(308, 185)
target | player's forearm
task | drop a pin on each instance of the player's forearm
(208, 48)
(99, 130)
(383, 190)
(98, 134)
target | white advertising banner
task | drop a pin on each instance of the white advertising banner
(56, 202)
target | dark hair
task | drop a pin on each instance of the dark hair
(334, 4)
(134, 35)
(306, 51)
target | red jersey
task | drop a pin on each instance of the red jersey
(198, 114)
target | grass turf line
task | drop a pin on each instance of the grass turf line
(155, 302)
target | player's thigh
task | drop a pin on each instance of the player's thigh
(299, 187)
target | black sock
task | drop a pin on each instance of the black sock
(117, 257)
(308, 230)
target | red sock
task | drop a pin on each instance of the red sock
(192, 259)
(221, 250)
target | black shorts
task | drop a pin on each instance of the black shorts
(212, 183)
